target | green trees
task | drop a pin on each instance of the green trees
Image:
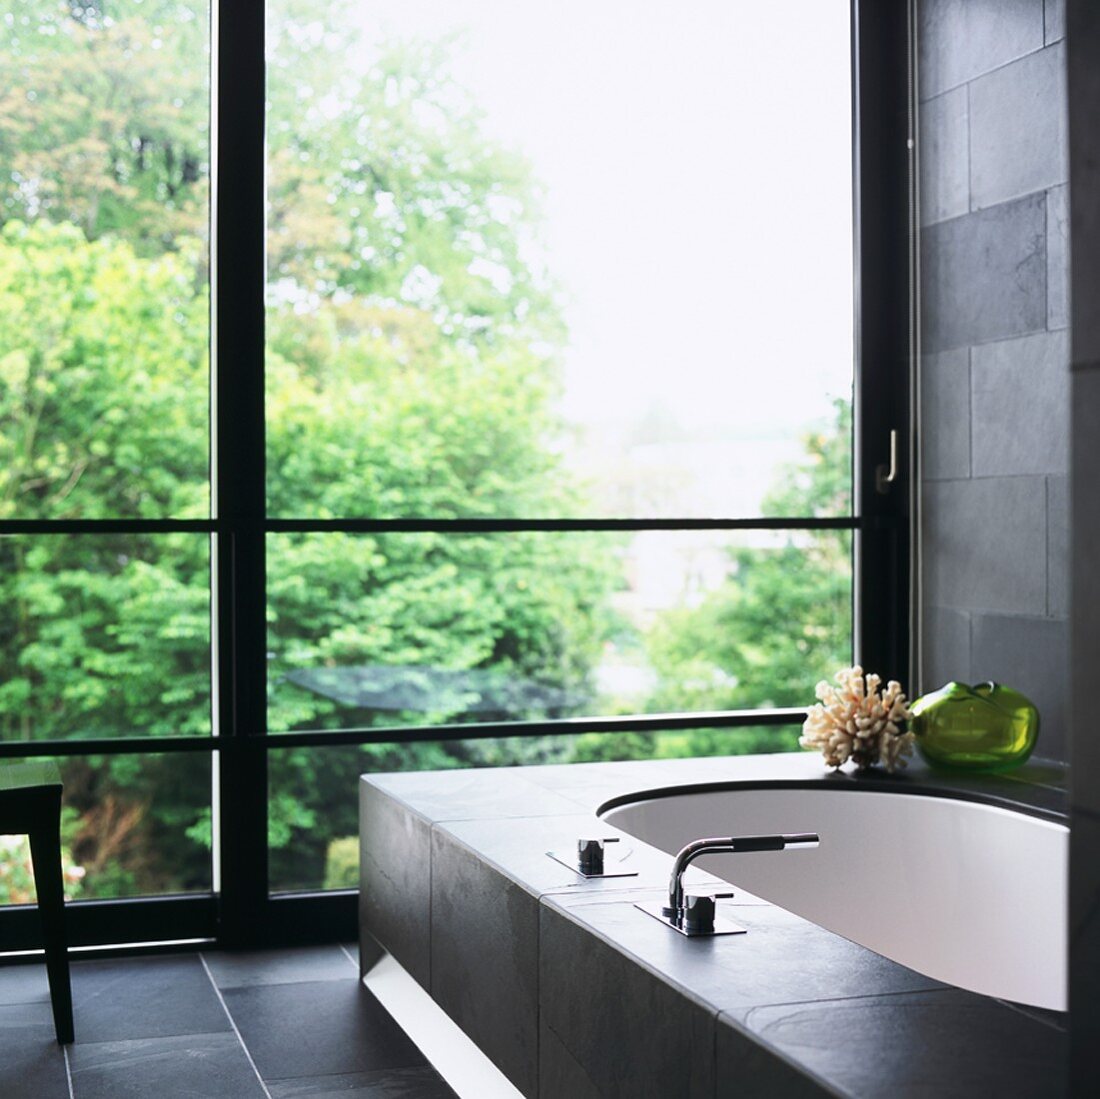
(413, 370)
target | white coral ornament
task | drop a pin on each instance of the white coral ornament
(859, 722)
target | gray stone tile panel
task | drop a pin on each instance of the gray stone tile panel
(1057, 257)
(232, 969)
(395, 879)
(626, 1030)
(477, 794)
(982, 1047)
(1032, 655)
(944, 157)
(985, 544)
(983, 276)
(946, 641)
(560, 1074)
(1018, 128)
(1085, 573)
(748, 1069)
(782, 958)
(32, 1065)
(945, 415)
(194, 1066)
(485, 947)
(1058, 546)
(1019, 405)
(519, 851)
(961, 39)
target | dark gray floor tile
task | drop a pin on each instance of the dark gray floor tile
(192, 1066)
(318, 1028)
(24, 984)
(982, 1047)
(32, 1065)
(421, 1082)
(278, 967)
(126, 998)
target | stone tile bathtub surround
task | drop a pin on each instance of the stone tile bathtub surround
(896, 1033)
(574, 993)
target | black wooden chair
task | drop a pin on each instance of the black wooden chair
(30, 805)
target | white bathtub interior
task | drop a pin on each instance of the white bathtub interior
(970, 894)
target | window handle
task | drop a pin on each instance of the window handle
(885, 476)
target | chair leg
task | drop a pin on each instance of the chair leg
(46, 856)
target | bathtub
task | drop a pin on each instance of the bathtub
(968, 893)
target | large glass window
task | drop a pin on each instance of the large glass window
(523, 431)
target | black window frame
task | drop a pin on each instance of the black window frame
(242, 911)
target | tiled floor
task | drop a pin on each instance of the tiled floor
(281, 1024)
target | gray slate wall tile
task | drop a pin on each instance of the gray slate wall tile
(1018, 128)
(961, 39)
(485, 948)
(395, 880)
(1054, 17)
(1058, 547)
(1032, 655)
(983, 276)
(984, 544)
(944, 157)
(1020, 406)
(946, 640)
(945, 415)
(1057, 257)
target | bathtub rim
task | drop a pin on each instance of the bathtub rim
(846, 784)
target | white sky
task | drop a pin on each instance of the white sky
(696, 155)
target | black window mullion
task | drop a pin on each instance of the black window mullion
(883, 240)
(238, 448)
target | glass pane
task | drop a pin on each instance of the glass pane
(131, 826)
(399, 629)
(104, 226)
(104, 635)
(522, 269)
(313, 795)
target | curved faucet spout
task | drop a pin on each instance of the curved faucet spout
(727, 845)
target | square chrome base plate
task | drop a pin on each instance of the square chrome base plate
(722, 926)
(570, 863)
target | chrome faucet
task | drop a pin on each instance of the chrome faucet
(694, 915)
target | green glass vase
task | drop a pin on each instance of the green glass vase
(987, 727)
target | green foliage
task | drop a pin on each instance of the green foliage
(782, 621)
(413, 370)
(342, 863)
